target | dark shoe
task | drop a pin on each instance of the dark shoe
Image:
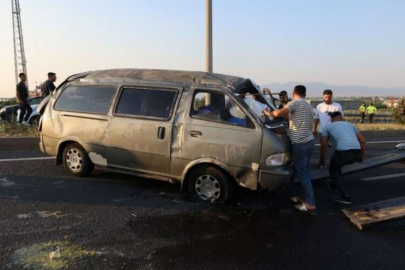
(341, 199)
(331, 186)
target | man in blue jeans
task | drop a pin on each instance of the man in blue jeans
(350, 148)
(301, 121)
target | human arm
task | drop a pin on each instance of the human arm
(324, 144)
(316, 123)
(362, 142)
(278, 113)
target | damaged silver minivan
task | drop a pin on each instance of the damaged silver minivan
(197, 128)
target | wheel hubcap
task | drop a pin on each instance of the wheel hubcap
(74, 159)
(208, 188)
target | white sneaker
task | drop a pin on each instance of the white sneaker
(25, 123)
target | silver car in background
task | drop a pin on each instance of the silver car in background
(178, 126)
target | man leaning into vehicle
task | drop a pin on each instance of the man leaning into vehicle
(301, 121)
(350, 148)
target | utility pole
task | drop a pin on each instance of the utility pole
(19, 53)
(208, 44)
(208, 37)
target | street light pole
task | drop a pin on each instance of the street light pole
(208, 37)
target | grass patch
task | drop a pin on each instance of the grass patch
(37, 256)
(10, 130)
(380, 126)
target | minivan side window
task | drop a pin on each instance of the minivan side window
(220, 108)
(149, 103)
(86, 99)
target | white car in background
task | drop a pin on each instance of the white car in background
(34, 117)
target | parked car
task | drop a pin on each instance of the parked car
(34, 116)
(178, 126)
(9, 113)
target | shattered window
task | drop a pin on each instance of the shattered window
(85, 98)
(147, 102)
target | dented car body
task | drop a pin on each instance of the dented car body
(166, 125)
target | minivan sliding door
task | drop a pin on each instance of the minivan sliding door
(141, 128)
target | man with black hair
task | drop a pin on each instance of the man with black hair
(22, 100)
(301, 121)
(350, 148)
(371, 110)
(48, 86)
(322, 111)
(283, 99)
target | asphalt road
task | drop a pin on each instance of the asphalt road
(116, 221)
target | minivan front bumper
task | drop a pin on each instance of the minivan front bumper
(277, 178)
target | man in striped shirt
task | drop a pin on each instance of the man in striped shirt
(301, 121)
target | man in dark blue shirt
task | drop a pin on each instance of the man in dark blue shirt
(22, 100)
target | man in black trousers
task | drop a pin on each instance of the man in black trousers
(22, 100)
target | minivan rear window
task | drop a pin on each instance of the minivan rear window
(151, 103)
(86, 98)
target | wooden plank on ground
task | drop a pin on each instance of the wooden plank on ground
(373, 213)
(393, 156)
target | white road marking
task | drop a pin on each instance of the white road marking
(383, 177)
(25, 159)
(376, 142)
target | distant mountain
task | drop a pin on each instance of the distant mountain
(315, 89)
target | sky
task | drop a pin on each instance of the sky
(342, 42)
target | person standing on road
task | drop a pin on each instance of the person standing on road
(322, 111)
(48, 86)
(22, 100)
(350, 148)
(371, 110)
(301, 121)
(283, 99)
(362, 111)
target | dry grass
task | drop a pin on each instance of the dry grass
(10, 130)
(380, 126)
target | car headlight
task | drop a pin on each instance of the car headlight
(278, 159)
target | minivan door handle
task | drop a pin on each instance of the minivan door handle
(195, 133)
(161, 133)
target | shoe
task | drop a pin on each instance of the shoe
(331, 186)
(341, 199)
(25, 123)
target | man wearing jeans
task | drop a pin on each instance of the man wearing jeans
(350, 148)
(301, 121)
(22, 100)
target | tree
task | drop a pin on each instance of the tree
(398, 113)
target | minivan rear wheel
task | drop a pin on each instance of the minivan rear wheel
(76, 162)
(210, 184)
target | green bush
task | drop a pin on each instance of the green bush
(8, 102)
(398, 113)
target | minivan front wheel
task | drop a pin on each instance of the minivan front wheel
(76, 162)
(210, 184)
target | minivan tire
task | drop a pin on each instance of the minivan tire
(80, 165)
(205, 180)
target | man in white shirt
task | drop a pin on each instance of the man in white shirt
(323, 111)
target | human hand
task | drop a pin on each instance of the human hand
(315, 132)
(321, 164)
(360, 160)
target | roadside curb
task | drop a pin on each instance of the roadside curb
(19, 143)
